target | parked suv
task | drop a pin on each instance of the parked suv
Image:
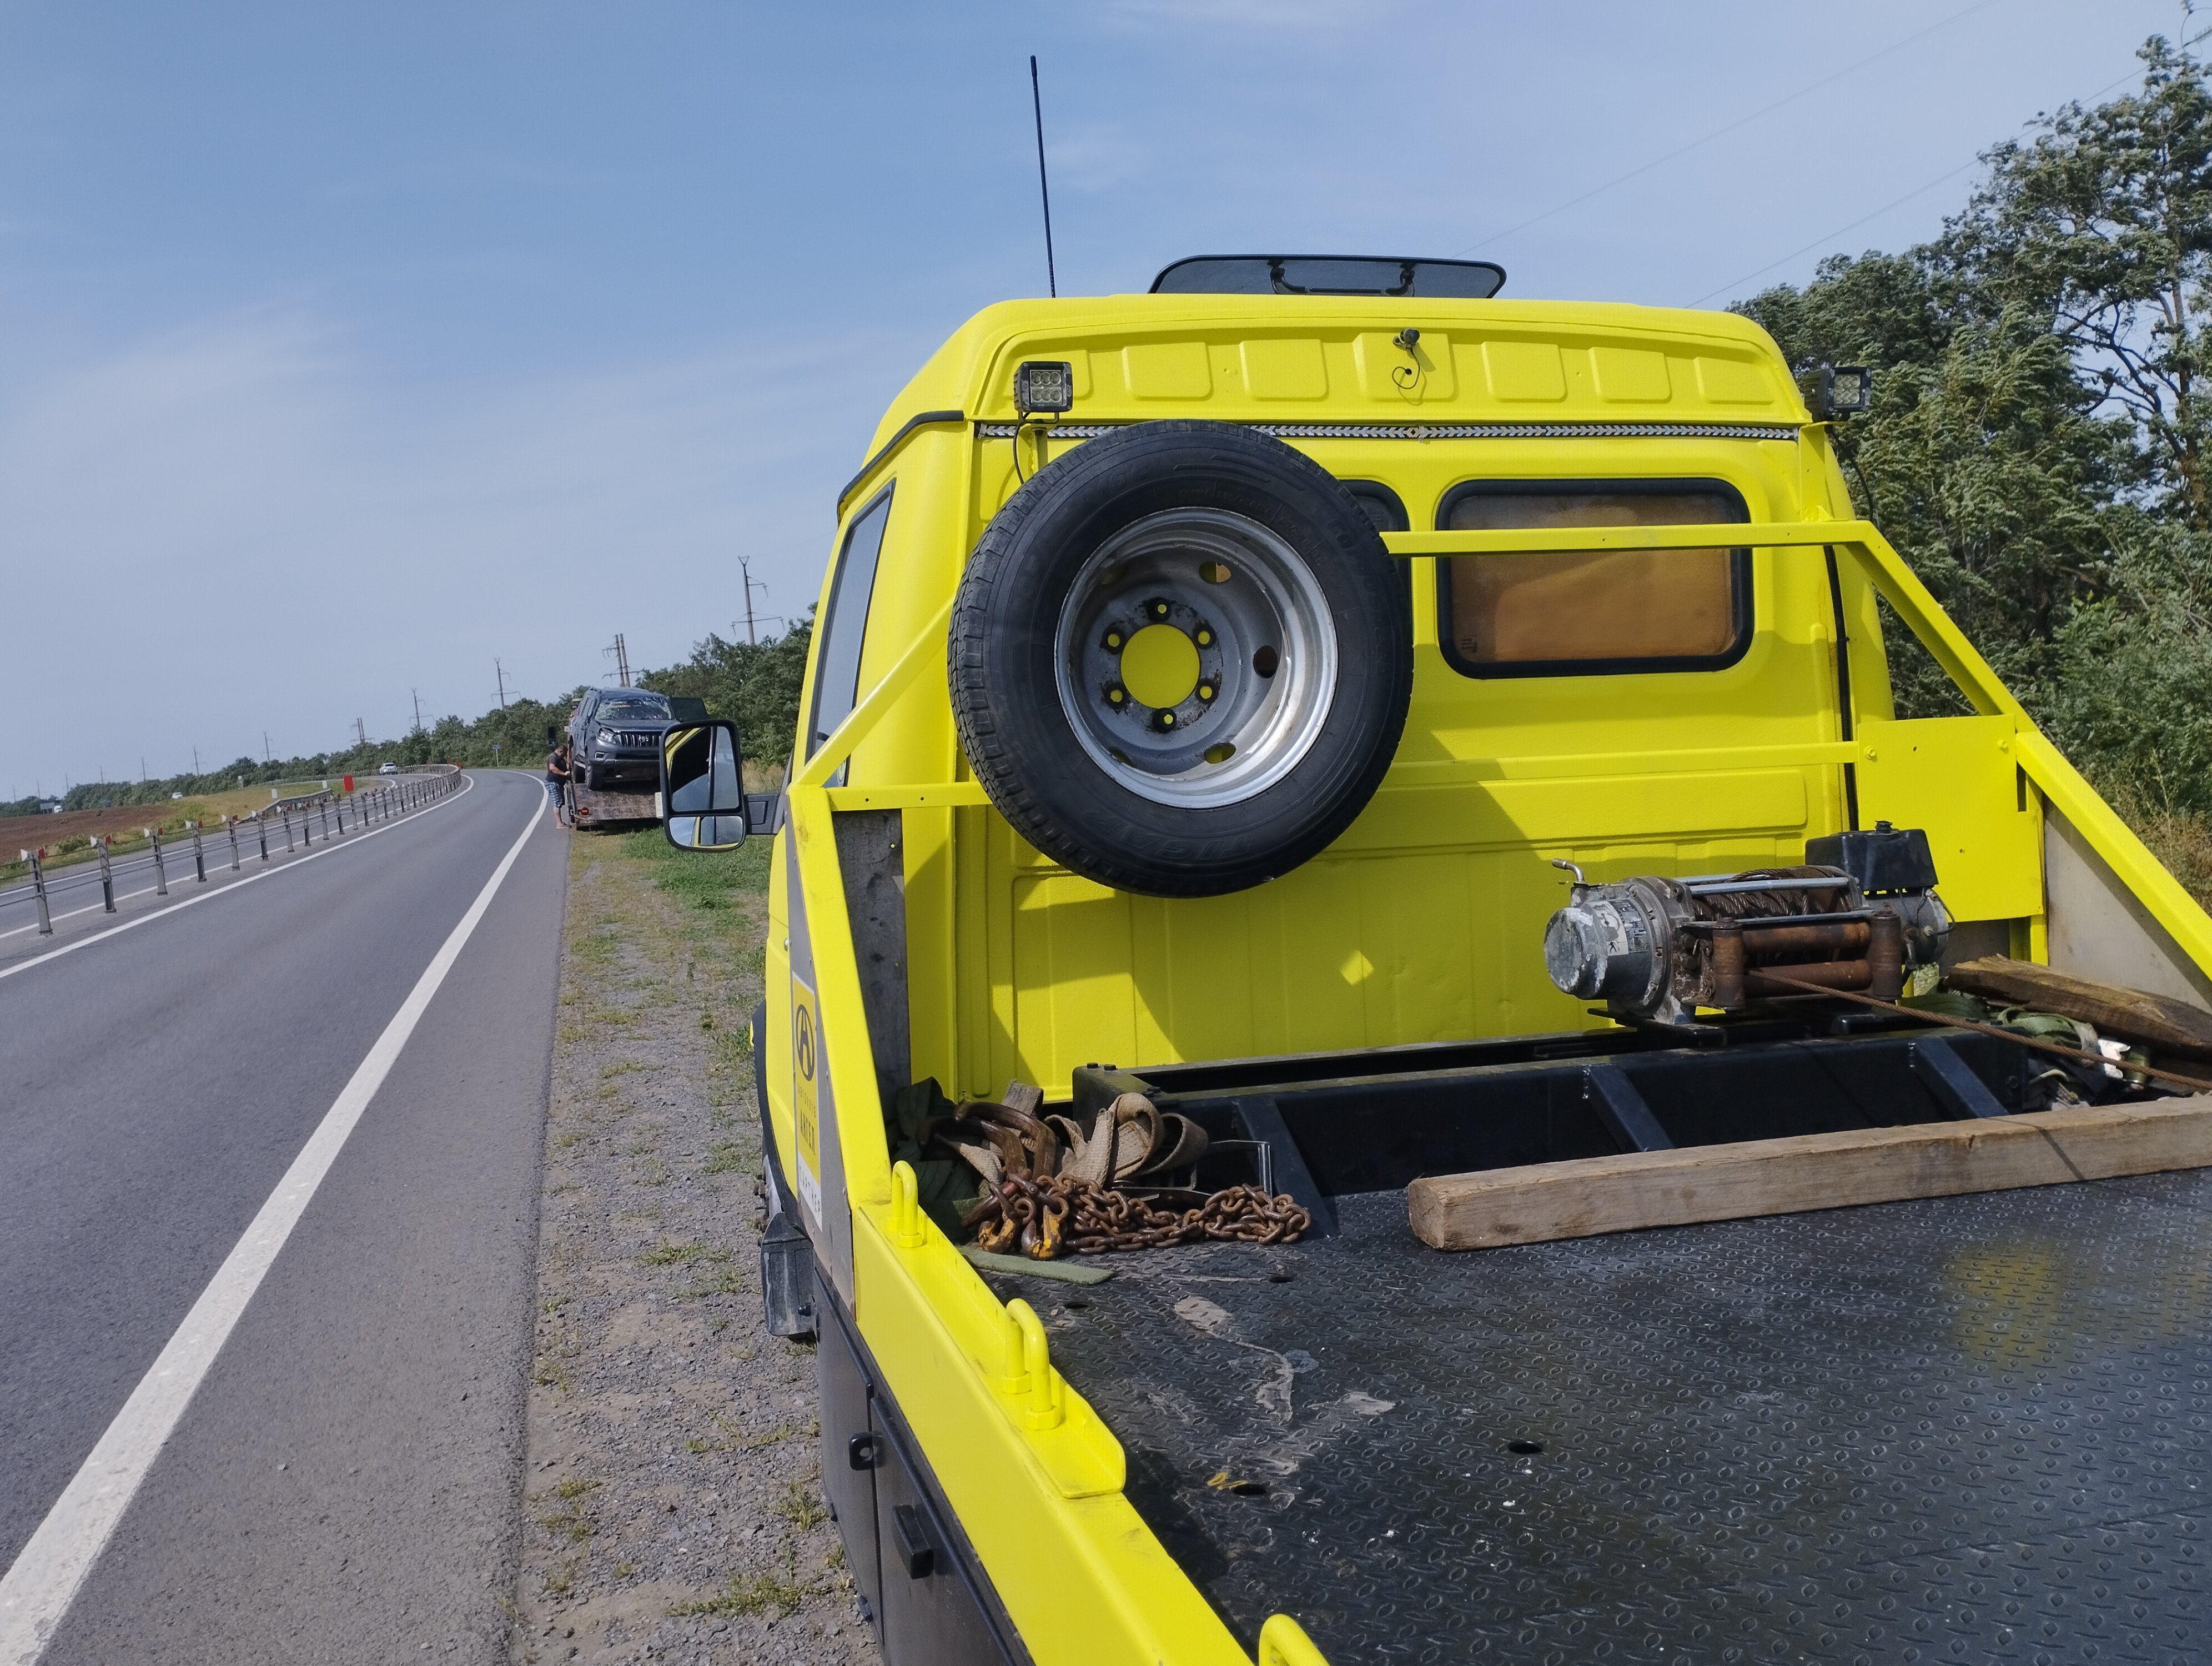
(614, 739)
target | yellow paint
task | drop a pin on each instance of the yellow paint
(1159, 665)
(1283, 1642)
(1424, 921)
(805, 1064)
(1168, 370)
(1957, 777)
(1520, 371)
(1629, 375)
(1284, 368)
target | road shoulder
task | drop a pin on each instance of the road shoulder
(672, 1500)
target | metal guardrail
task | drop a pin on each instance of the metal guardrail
(297, 820)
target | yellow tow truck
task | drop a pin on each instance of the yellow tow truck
(1441, 748)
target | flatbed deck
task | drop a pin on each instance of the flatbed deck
(1972, 1428)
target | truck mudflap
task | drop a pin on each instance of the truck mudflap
(921, 1584)
(787, 1256)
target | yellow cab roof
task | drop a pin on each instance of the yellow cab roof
(1303, 358)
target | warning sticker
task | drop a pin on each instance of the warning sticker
(805, 1064)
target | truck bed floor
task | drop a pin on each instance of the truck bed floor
(1973, 1429)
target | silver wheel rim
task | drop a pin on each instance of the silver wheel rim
(1265, 650)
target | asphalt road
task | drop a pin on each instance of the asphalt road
(344, 1485)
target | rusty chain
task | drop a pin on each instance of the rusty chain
(1044, 1220)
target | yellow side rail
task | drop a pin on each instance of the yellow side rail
(1858, 541)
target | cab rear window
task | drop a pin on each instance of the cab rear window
(844, 626)
(1578, 612)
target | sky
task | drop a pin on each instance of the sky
(345, 350)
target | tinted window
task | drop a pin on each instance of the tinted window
(837, 662)
(1329, 275)
(1570, 611)
(631, 708)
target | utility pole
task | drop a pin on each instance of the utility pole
(745, 566)
(622, 659)
(196, 760)
(359, 732)
(267, 755)
(417, 693)
(499, 671)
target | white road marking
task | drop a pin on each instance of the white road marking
(37, 1591)
(468, 785)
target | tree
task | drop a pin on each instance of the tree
(755, 684)
(2036, 449)
(2102, 222)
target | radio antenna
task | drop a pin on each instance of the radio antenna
(1044, 189)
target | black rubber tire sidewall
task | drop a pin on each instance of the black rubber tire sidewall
(1005, 692)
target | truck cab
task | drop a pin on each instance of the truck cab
(1216, 694)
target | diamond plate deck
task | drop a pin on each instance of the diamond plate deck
(1963, 1430)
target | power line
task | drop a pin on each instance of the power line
(1830, 237)
(1899, 202)
(1741, 121)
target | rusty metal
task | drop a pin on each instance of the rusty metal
(1729, 948)
(1043, 1219)
(1841, 937)
(1886, 957)
(1773, 891)
(1800, 987)
(1836, 974)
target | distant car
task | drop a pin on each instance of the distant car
(388, 770)
(614, 738)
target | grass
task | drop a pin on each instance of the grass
(750, 1595)
(734, 1439)
(800, 1505)
(707, 880)
(570, 1519)
(669, 1255)
(726, 1281)
(725, 1156)
(2183, 843)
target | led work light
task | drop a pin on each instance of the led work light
(1847, 390)
(1043, 386)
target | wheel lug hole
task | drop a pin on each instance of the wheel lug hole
(1116, 697)
(1113, 641)
(1206, 690)
(1204, 638)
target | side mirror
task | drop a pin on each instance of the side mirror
(702, 790)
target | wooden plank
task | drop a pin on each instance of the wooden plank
(2134, 1014)
(1639, 1189)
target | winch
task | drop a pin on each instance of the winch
(1858, 914)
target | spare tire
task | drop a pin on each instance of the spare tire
(1180, 658)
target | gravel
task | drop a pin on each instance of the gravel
(673, 1502)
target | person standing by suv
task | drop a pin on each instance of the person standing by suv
(556, 771)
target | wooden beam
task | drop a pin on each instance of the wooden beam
(2162, 1022)
(1639, 1189)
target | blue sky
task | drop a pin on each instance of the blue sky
(345, 347)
